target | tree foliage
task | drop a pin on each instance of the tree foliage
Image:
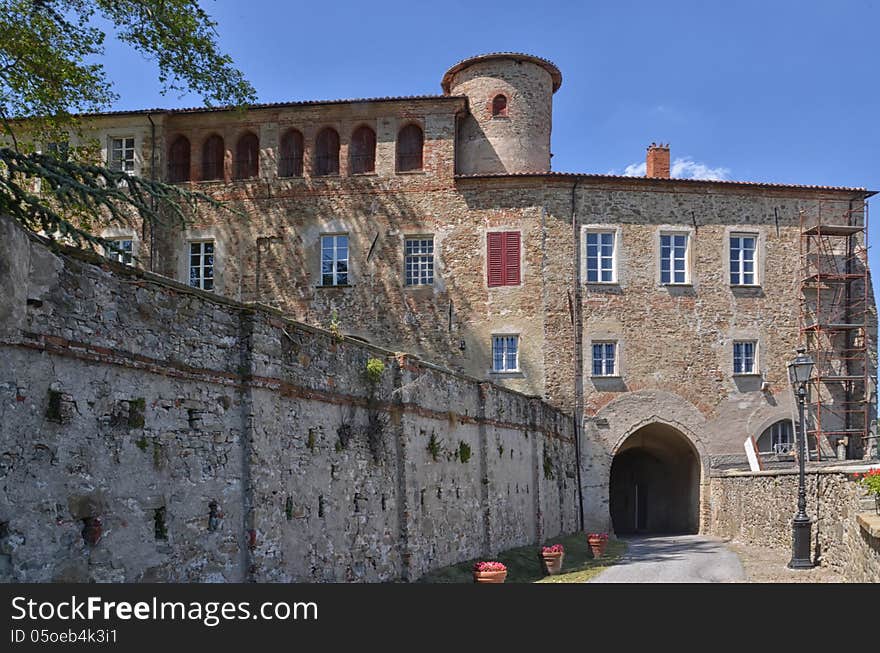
(50, 73)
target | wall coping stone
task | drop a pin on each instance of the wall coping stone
(837, 469)
(870, 522)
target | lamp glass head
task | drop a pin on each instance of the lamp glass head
(801, 368)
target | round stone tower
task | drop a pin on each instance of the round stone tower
(510, 96)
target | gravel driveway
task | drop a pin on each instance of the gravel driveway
(674, 559)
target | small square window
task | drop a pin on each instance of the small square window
(419, 261)
(505, 353)
(60, 150)
(334, 260)
(744, 356)
(673, 259)
(123, 252)
(121, 156)
(605, 359)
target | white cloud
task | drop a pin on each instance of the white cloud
(635, 170)
(687, 168)
(682, 168)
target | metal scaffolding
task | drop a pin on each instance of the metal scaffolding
(834, 326)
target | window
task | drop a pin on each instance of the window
(290, 164)
(419, 261)
(742, 260)
(123, 253)
(744, 356)
(600, 266)
(122, 154)
(505, 353)
(201, 264)
(213, 154)
(334, 260)
(410, 141)
(604, 359)
(247, 156)
(502, 249)
(60, 151)
(178, 160)
(499, 106)
(777, 438)
(673, 258)
(327, 153)
(363, 151)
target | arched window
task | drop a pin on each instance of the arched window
(290, 163)
(409, 148)
(247, 156)
(363, 150)
(213, 153)
(499, 106)
(178, 160)
(777, 438)
(327, 152)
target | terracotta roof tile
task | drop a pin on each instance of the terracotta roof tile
(725, 182)
(270, 105)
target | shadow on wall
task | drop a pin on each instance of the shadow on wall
(482, 155)
(655, 483)
(276, 250)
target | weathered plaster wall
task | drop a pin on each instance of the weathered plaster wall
(216, 441)
(758, 508)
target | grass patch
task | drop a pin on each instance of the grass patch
(524, 566)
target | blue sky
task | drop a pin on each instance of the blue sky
(776, 91)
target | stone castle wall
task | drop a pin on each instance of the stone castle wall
(152, 432)
(757, 507)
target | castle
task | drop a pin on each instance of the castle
(659, 313)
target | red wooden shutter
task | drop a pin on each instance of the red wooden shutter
(495, 258)
(511, 258)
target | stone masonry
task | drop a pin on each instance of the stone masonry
(153, 432)
(757, 507)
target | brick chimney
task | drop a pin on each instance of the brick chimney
(658, 160)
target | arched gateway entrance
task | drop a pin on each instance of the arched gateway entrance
(655, 483)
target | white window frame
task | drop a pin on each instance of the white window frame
(419, 262)
(336, 260)
(111, 148)
(121, 257)
(686, 258)
(505, 339)
(615, 360)
(774, 431)
(740, 263)
(615, 245)
(201, 278)
(754, 369)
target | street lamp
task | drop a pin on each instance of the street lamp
(799, 372)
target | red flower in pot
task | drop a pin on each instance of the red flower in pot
(551, 557)
(489, 571)
(597, 542)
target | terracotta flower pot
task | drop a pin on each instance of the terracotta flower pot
(489, 576)
(597, 546)
(553, 562)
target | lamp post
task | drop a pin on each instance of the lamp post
(799, 372)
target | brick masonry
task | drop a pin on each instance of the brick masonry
(152, 432)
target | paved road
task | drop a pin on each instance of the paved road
(674, 559)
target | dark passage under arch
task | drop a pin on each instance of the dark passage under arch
(655, 483)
